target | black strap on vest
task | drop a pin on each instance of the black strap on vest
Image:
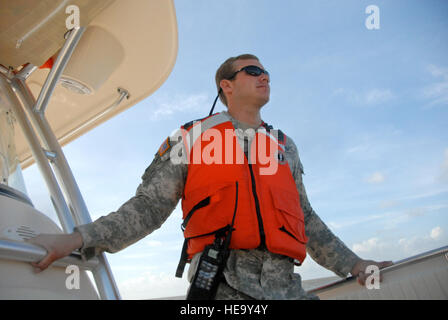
(220, 233)
(281, 135)
(188, 125)
(184, 255)
(183, 260)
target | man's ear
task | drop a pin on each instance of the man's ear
(226, 86)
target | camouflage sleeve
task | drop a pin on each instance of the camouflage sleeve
(155, 199)
(323, 246)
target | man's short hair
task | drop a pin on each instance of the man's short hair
(227, 69)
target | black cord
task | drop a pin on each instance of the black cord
(216, 99)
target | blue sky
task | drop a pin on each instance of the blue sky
(368, 110)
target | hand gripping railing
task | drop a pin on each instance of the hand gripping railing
(71, 209)
(26, 252)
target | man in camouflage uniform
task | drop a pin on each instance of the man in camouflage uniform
(249, 274)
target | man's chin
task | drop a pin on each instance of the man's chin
(262, 102)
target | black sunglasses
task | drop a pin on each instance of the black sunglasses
(250, 70)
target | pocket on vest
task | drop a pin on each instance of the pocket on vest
(288, 214)
(202, 214)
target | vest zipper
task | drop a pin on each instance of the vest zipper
(254, 192)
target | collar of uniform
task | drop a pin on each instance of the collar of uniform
(240, 125)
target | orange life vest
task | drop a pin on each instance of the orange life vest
(268, 208)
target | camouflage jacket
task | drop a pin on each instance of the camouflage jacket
(258, 272)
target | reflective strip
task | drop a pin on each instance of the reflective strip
(274, 138)
(199, 127)
(204, 125)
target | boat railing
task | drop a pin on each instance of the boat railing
(397, 265)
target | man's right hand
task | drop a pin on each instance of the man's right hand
(57, 245)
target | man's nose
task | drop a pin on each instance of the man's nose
(264, 78)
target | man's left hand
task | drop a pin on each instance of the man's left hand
(359, 270)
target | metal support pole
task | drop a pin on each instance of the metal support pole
(103, 274)
(60, 165)
(123, 93)
(36, 110)
(26, 71)
(59, 65)
(56, 195)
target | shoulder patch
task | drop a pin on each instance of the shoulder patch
(164, 147)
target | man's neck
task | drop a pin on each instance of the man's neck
(249, 116)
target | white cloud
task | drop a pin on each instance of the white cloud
(376, 96)
(369, 245)
(310, 269)
(438, 71)
(438, 91)
(436, 233)
(352, 222)
(376, 248)
(372, 96)
(412, 246)
(168, 106)
(380, 249)
(376, 177)
(363, 219)
(416, 212)
(150, 285)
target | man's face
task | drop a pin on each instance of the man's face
(247, 88)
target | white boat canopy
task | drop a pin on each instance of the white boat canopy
(126, 52)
